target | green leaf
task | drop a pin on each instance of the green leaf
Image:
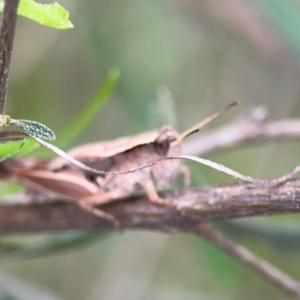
(80, 123)
(35, 129)
(17, 148)
(52, 15)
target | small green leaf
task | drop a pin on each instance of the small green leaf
(52, 15)
(35, 129)
(80, 123)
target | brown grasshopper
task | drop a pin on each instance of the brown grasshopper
(59, 178)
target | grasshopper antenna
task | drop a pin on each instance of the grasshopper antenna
(198, 126)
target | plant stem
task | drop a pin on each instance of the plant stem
(7, 33)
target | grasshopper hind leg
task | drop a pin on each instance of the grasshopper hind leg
(100, 213)
(88, 203)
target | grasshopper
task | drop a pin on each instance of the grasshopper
(60, 178)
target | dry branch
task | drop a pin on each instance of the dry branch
(252, 127)
(201, 204)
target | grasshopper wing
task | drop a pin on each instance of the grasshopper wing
(100, 155)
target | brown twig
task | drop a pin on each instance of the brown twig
(250, 128)
(259, 266)
(201, 204)
(7, 33)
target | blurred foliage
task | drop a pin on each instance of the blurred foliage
(12, 251)
(92, 109)
(205, 54)
(286, 15)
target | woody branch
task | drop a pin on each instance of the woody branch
(201, 204)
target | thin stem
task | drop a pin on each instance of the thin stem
(246, 129)
(7, 33)
(258, 265)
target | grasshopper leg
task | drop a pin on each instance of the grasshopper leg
(154, 197)
(99, 213)
(88, 203)
(184, 170)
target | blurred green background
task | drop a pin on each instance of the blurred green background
(180, 61)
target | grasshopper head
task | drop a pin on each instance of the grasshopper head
(166, 145)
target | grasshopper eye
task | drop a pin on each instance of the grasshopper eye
(162, 145)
